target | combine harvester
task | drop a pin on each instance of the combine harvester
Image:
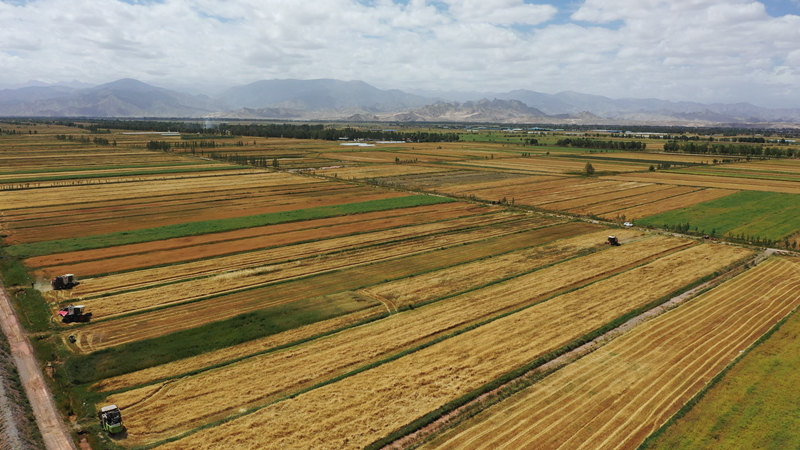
(64, 282)
(111, 419)
(75, 313)
(612, 240)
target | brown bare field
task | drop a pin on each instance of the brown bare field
(223, 391)
(620, 394)
(385, 170)
(581, 202)
(364, 407)
(613, 204)
(77, 224)
(229, 281)
(385, 157)
(79, 194)
(483, 242)
(4, 177)
(658, 156)
(668, 204)
(134, 256)
(749, 184)
(785, 166)
(293, 233)
(223, 171)
(182, 254)
(517, 183)
(555, 165)
(451, 178)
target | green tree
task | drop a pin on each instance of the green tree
(589, 169)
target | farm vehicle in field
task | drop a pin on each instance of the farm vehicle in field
(612, 240)
(74, 313)
(111, 419)
(64, 282)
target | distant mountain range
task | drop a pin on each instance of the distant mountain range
(327, 99)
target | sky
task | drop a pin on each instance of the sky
(700, 50)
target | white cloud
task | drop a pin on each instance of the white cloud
(710, 50)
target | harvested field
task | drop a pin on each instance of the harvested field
(319, 360)
(361, 172)
(539, 255)
(387, 157)
(555, 165)
(446, 282)
(603, 197)
(185, 229)
(104, 221)
(657, 157)
(755, 404)
(137, 256)
(231, 281)
(35, 198)
(711, 181)
(365, 407)
(437, 180)
(157, 323)
(624, 391)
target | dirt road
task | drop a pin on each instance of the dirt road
(54, 430)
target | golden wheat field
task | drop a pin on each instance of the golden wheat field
(364, 407)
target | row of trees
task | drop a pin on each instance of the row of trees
(306, 131)
(730, 149)
(594, 143)
(295, 131)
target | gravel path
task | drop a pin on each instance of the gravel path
(53, 429)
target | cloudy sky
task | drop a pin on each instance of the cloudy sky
(704, 50)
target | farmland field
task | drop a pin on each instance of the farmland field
(242, 285)
(749, 214)
(374, 400)
(755, 403)
(618, 395)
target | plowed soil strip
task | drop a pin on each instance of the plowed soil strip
(622, 392)
(365, 407)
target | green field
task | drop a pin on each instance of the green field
(746, 214)
(756, 405)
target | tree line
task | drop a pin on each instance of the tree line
(729, 149)
(294, 131)
(595, 143)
